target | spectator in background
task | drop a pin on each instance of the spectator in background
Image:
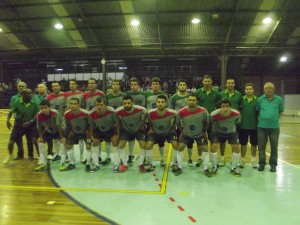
(270, 108)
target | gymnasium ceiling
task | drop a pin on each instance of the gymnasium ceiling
(93, 29)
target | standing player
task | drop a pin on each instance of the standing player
(194, 131)
(162, 122)
(114, 99)
(249, 122)
(223, 129)
(138, 98)
(49, 128)
(236, 99)
(77, 128)
(151, 97)
(207, 97)
(132, 119)
(104, 125)
(58, 102)
(74, 93)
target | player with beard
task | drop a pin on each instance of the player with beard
(224, 129)
(132, 119)
(191, 131)
(77, 128)
(104, 125)
(162, 124)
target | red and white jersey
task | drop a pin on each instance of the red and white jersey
(89, 99)
(77, 122)
(57, 102)
(106, 121)
(77, 94)
(162, 124)
(224, 125)
(49, 122)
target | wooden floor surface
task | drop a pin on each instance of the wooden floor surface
(23, 205)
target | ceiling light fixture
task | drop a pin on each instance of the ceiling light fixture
(283, 59)
(135, 23)
(1, 30)
(58, 26)
(195, 21)
(267, 20)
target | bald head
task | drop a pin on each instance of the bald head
(21, 86)
(42, 89)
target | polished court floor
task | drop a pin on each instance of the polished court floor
(160, 197)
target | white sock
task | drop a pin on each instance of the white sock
(234, 160)
(81, 147)
(108, 149)
(205, 156)
(149, 154)
(131, 147)
(71, 157)
(57, 147)
(63, 154)
(214, 159)
(253, 159)
(88, 157)
(190, 152)
(161, 152)
(142, 156)
(117, 156)
(179, 159)
(174, 157)
(43, 153)
(95, 154)
(123, 156)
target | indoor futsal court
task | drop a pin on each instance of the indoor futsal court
(159, 197)
(162, 55)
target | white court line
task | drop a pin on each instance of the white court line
(285, 162)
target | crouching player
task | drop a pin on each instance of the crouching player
(49, 128)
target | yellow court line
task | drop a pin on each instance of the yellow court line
(38, 188)
(166, 172)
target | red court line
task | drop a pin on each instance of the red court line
(180, 208)
(192, 219)
(172, 199)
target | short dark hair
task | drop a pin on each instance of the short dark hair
(162, 97)
(74, 80)
(134, 79)
(155, 79)
(207, 76)
(249, 84)
(74, 99)
(45, 102)
(182, 81)
(192, 95)
(224, 101)
(92, 78)
(100, 99)
(127, 97)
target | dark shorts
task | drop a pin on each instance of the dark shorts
(104, 136)
(48, 137)
(232, 138)
(245, 133)
(127, 136)
(190, 145)
(159, 138)
(74, 139)
(189, 141)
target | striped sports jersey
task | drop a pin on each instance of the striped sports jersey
(193, 123)
(138, 97)
(224, 125)
(178, 102)
(77, 123)
(57, 102)
(151, 99)
(114, 101)
(49, 123)
(132, 121)
(104, 122)
(89, 99)
(162, 124)
(77, 94)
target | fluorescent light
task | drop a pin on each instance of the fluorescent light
(59, 69)
(283, 59)
(1, 30)
(195, 20)
(135, 23)
(267, 20)
(58, 26)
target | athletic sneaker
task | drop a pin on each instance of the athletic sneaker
(41, 167)
(273, 169)
(235, 172)
(190, 163)
(151, 168)
(254, 164)
(142, 169)
(261, 168)
(83, 161)
(69, 167)
(123, 168)
(116, 169)
(174, 168)
(178, 172)
(7, 159)
(94, 169)
(207, 173)
(198, 162)
(130, 158)
(56, 158)
(106, 161)
(213, 171)
(242, 163)
(162, 162)
(62, 167)
(87, 168)
(50, 157)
